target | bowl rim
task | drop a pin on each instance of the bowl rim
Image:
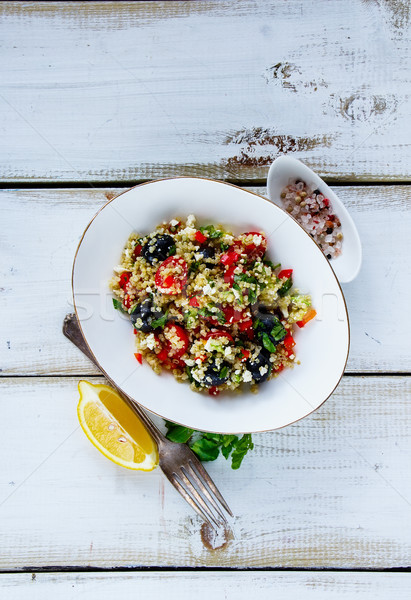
(115, 385)
(285, 158)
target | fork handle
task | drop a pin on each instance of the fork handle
(72, 331)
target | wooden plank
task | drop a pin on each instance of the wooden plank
(112, 91)
(36, 268)
(331, 491)
(183, 586)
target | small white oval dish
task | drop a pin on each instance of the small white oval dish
(286, 169)
(322, 346)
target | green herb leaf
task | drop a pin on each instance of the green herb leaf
(212, 232)
(267, 343)
(193, 268)
(246, 278)
(224, 372)
(228, 445)
(207, 312)
(270, 264)
(278, 332)
(118, 305)
(252, 296)
(206, 450)
(224, 247)
(160, 322)
(285, 287)
(257, 323)
(236, 287)
(240, 450)
(172, 250)
(179, 434)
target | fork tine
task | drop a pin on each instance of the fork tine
(203, 489)
(191, 489)
(201, 472)
(208, 518)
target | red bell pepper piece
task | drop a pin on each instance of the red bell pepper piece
(289, 342)
(285, 273)
(200, 237)
(139, 357)
(229, 258)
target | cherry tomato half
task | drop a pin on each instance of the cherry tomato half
(176, 340)
(252, 249)
(171, 275)
(217, 334)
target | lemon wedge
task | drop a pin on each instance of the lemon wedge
(114, 429)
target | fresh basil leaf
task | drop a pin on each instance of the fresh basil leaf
(224, 372)
(278, 332)
(160, 322)
(206, 450)
(240, 450)
(285, 287)
(236, 287)
(118, 305)
(267, 343)
(179, 434)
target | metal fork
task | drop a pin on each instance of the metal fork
(179, 464)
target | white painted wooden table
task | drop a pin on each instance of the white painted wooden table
(98, 96)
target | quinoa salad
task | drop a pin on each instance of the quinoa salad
(209, 306)
(315, 214)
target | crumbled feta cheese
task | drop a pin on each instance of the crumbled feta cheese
(191, 220)
(195, 376)
(151, 341)
(207, 345)
(148, 289)
(257, 239)
(227, 351)
(189, 232)
(173, 222)
(237, 371)
(207, 290)
(263, 370)
(247, 376)
(119, 269)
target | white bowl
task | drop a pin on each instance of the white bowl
(285, 169)
(322, 345)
